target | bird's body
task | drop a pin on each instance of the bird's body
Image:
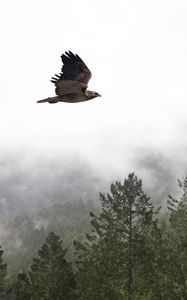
(71, 84)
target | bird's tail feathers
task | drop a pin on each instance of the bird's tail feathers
(49, 100)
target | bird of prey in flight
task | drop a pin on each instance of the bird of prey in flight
(71, 85)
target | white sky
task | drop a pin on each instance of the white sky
(137, 52)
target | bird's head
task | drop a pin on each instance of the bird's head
(91, 94)
(96, 95)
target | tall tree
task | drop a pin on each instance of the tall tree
(51, 276)
(116, 260)
(178, 243)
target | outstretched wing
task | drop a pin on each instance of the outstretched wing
(73, 68)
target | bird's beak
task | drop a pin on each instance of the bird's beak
(98, 95)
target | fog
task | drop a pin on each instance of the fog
(30, 183)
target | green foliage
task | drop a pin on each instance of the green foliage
(127, 254)
(51, 276)
(137, 296)
(117, 258)
(22, 288)
(178, 243)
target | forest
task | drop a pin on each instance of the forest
(124, 248)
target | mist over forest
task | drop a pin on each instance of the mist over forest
(35, 182)
(29, 185)
(40, 193)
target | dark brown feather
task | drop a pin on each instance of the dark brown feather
(73, 68)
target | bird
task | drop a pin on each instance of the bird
(72, 83)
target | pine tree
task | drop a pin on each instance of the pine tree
(3, 271)
(177, 275)
(51, 276)
(22, 288)
(116, 261)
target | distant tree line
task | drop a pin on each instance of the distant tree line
(129, 254)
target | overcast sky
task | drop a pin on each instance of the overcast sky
(137, 52)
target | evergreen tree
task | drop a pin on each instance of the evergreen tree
(22, 288)
(51, 276)
(3, 271)
(116, 261)
(177, 276)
